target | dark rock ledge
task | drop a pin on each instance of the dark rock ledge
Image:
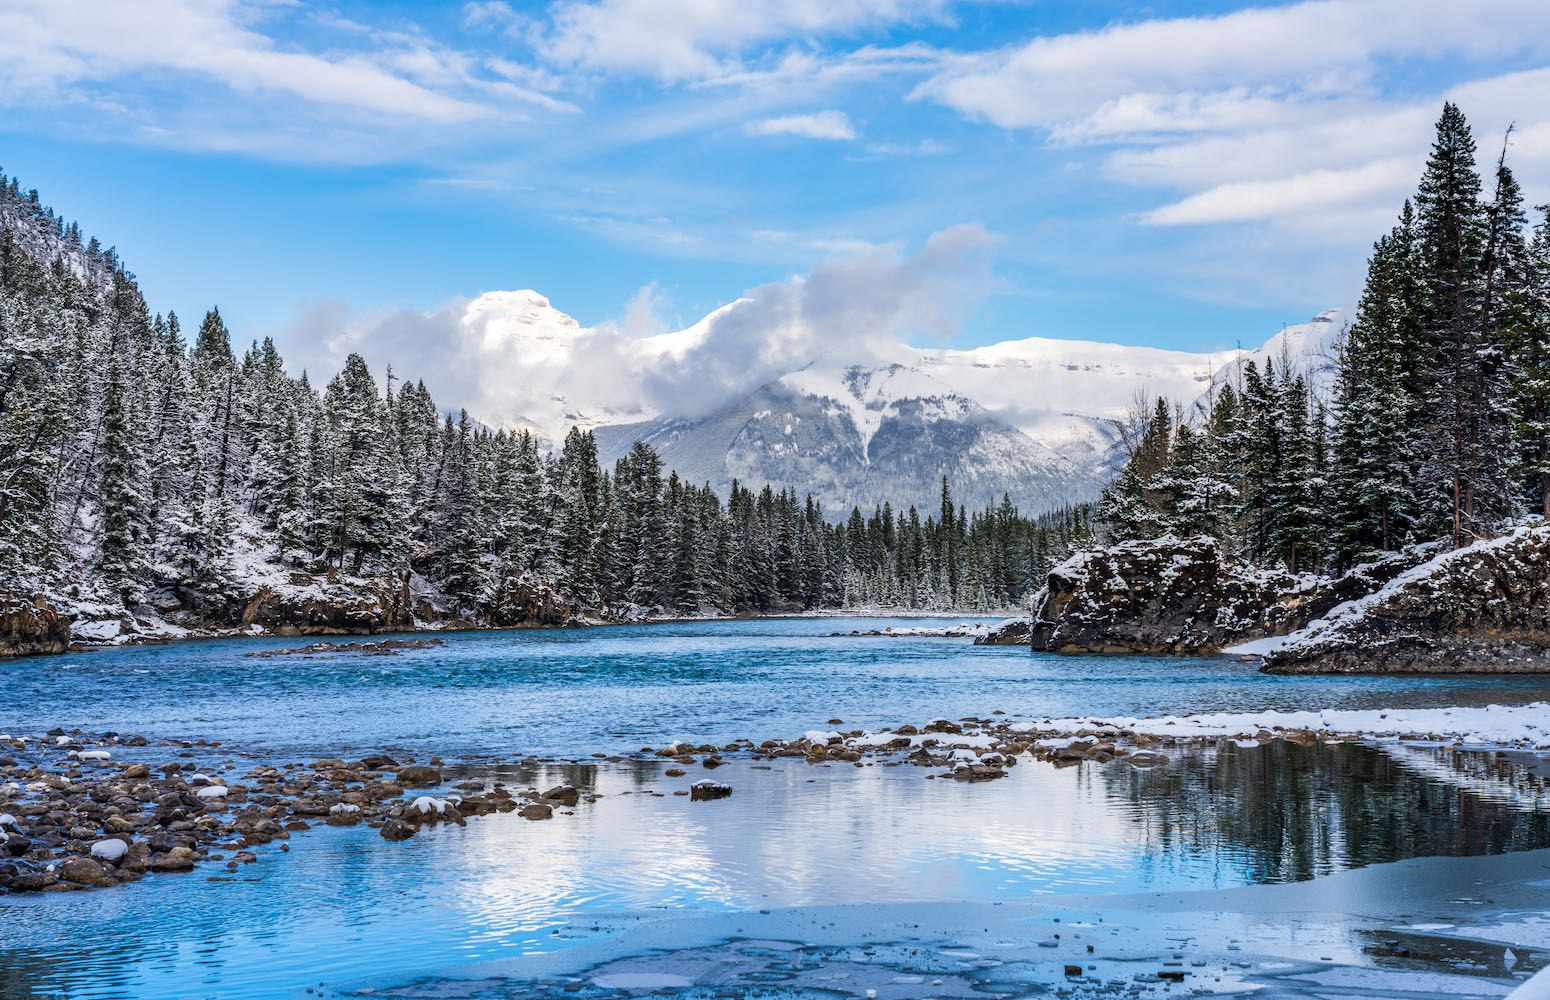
(30, 626)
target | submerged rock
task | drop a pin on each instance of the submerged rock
(30, 626)
(1484, 608)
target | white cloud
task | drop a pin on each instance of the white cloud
(1245, 201)
(1192, 72)
(682, 40)
(832, 125)
(509, 355)
(45, 44)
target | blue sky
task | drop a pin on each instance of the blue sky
(1174, 174)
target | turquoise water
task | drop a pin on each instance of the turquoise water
(343, 905)
(576, 691)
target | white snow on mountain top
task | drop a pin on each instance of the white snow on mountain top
(1042, 386)
(1058, 403)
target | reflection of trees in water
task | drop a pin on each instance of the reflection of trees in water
(1288, 812)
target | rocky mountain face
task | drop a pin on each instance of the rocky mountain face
(1484, 608)
(872, 434)
(1038, 419)
(1183, 597)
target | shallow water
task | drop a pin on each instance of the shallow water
(576, 691)
(344, 905)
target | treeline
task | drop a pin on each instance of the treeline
(135, 464)
(1438, 421)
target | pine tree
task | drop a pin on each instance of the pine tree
(1530, 350)
(120, 563)
(1451, 226)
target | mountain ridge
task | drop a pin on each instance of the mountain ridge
(1039, 419)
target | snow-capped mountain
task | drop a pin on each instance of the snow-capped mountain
(1038, 419)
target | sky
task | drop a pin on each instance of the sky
(1185, 175)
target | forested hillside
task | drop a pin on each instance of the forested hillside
(1439, 421)
(148, 470)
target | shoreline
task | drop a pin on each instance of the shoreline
(169, 815)
(210, 635)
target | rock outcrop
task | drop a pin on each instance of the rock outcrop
(1480, 609)
(1182, 596)
(528, 603)
(322, 607)
(30, 626)
(1012, 632)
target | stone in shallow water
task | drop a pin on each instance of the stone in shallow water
(419, 777)
(707, 789)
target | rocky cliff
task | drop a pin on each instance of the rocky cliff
(29, 626)
(1183, 596)
(1480, 609)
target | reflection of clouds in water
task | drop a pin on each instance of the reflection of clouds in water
(346, 901)
(800, 834)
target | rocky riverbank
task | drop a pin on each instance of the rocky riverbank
(80, 811)
(30, 626)
(1480, 609)
(1184, 596)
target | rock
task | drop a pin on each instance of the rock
(1182, 596)
(137, 771)
(536, 810)
(675, 772)
(30, 626)
(178, 859)
(109, 850)
(1012, 632)
(707, 789)
(394, 830)
(525, 603)
(1484, 608)
(327, 607)
(82, 871)
(565, 795)
(419, 777)
(33, 881)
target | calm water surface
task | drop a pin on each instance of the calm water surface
(576, 691)
(344, 905)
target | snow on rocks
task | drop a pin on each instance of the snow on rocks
(1184, 596)
(706, 789)
(111, 849)
(213, 792)
(1484, 608)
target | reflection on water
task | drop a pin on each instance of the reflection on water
(1300, 812)
(344, 904)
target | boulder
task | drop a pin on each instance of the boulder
(1484, 608)
(323, 606)
(419, 777)
(707, 789)
(30, 626)
(82, 871)
(565, 795)
(1012, 632)
(1184, 596)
